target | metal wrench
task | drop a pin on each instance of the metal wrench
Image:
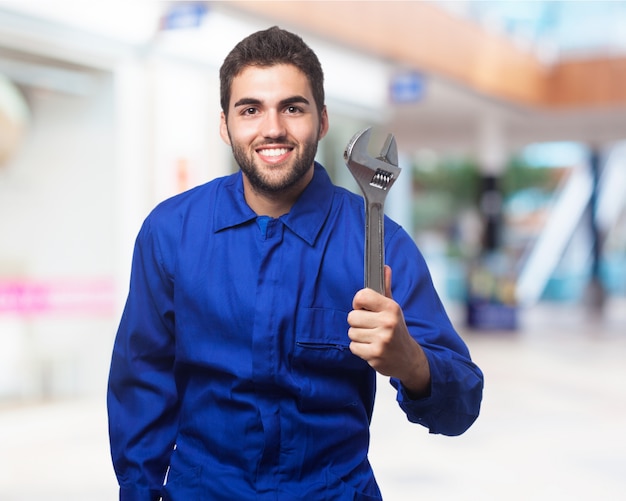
(374, 176)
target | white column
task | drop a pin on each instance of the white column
(188, 150)
(133, 167)
(398, 204)
(491, 145)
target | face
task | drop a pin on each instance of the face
(273, 127)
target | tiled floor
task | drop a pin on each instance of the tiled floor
(553, 426)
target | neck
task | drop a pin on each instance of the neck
(277, 204)
(264, 204)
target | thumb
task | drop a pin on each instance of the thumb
(388, 281)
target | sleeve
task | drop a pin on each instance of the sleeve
(456, 382)
(142, 397)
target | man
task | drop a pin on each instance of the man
(244, 365)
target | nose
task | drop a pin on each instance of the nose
(273, 125)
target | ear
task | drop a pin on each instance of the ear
(323, 123)
(224, 129)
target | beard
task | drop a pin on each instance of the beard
(267, 183)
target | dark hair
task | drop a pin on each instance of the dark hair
(268, 48)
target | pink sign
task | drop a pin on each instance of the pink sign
(58, 296)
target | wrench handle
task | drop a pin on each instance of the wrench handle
(374, 247)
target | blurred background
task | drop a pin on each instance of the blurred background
(510, 119)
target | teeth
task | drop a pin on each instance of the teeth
(273, 152)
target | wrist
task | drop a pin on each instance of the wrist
(416, 382)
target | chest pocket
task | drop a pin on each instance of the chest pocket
(327, 373)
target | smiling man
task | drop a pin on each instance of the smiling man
(273, 126)
(244, 366)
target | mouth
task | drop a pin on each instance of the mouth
(274, 154)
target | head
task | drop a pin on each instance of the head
(273, 116)
(267, 48)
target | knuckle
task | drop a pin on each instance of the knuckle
(388, 321)
(352, 334)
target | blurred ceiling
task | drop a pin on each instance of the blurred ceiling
(589, 35)
(537, 71)
(533, 70)
(554, 30)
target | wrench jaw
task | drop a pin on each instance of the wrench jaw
(389, 151)
(379, 173)
(375, 176)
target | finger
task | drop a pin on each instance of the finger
(361, 350)
(362, 319)
(365, 299)
(360, 336)
(388, 281)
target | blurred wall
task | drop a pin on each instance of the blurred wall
(58, 234)
(112, 131)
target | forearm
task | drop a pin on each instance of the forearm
(416, 380)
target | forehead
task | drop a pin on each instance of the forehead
(270, 82)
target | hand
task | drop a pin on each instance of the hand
(380, 337)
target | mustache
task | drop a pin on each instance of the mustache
(282, 141)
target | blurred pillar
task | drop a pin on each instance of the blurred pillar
(491, 209)
(491, 303)
(596, 293)
(492, 161)
(187, 149)
(398, 204)
(133, 177)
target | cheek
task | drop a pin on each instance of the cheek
(242, 133)
(307, 132)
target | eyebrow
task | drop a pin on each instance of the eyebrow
(246, 101)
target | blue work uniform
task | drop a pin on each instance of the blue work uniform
(232, 377)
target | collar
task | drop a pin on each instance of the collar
(305, 218)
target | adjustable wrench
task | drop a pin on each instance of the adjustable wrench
(374, 176)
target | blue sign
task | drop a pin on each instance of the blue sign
(182, 15)
(407, 87)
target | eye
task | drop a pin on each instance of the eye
(292, 109)
(249, 111)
